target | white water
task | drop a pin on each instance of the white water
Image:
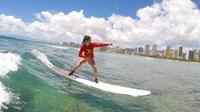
(42, 58)
(4, 96)
(58, 47)
(149, 58)
(8, 62)
(101, 85)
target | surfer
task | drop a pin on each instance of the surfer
(86, 54)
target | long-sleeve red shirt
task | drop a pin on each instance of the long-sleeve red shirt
(88, 51)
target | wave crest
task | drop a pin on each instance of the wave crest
(42, 57)
(8, 62)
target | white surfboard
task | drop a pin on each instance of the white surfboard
(101, 85)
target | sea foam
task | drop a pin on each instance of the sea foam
(8, 62)
(42, 57)
(58, 47)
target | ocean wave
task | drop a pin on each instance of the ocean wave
(8, 62)
(42, 57)
(4, 96)
(149, 58)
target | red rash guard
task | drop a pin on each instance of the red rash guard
(88, 51)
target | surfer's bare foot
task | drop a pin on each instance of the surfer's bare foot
(96, 80)
(71, 73)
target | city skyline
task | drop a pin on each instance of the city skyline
(158, 47)
(176, 53)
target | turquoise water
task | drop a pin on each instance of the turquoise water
(33, 87)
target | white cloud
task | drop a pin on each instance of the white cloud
(167, 22)
(11, 25)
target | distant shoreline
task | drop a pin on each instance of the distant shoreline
(153, 57)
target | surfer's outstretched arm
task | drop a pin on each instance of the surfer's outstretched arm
(94, 44)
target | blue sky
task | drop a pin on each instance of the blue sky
(25, 9)
(63, 20)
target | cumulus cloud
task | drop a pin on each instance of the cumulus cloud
(11, 25)
(166, 22)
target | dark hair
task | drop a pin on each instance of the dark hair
(86, 37)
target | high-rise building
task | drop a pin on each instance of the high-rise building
(140, 50)
(184, 55)
(147, 50)
(175, 54)
(65, 43)
(135, 50)
(180, 51)
(168, 52)
(154, 50)
(199, 56)
(190, 55)
(161, 53)
(72, 44)
(128, 50)
(196, 55)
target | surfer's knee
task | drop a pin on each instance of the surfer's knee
(94, 66)
(79, 63)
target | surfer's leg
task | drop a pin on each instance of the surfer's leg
(94, 67)
(80, 62)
